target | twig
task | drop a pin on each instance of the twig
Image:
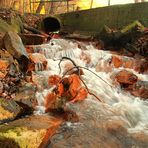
(78, 69)
(66, 58)
(89, 91)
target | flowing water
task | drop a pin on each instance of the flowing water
(117, 103)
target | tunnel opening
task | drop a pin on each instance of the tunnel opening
(50, 24)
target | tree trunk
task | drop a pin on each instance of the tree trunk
(6, 3)
(39, 8)
(51, 8)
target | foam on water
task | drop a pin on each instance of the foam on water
(131, 109)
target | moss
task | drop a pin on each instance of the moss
(15, 26)
(5, 114)
(23, 136)
(4, 27)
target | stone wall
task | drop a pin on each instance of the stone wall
(116, 16)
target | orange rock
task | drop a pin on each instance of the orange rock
(54, 125)
(4, 64)
(140, 89)
(35, 130)
(29, 49)
(50, 101)
(3, 74)
(141, 66)
(116, 61)
(68, 89)
(37, 58)
(126, 77)
(129, 64)
(76, 90)
(53, 80)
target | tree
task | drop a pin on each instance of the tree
(39, 8)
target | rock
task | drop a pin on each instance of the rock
(4, 65)
(31, 132)
(40, 80)
(30, 48)
(14, 45)
(39, 49)
(9, 110)
(25, 97)
(95, 129)
(7, 64)
(10, 21)
(140, 89)
(3, 74)
(1, 87)
(6, 55)
(126, 77)
(38, 62)
(116, 61)
(141, 65)
(129, 63)
(11, 82)
(33, 39)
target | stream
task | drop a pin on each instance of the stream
(117, 104)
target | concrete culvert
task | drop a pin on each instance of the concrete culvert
(50, 24)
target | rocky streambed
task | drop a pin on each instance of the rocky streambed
(34, 114)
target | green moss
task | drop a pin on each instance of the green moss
(23, 136)
(15, 26)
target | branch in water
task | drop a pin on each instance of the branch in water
(78, 70)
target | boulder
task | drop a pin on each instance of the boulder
(14, 45)
(31, 132)
(25, 97)
(116, 61)
(5, 62)
(33, 39)
(10, 20)
(128, 63)
(9, 110)
(126, 77)
(141, 66)
(95, 129)
(140, 89)
(38, 62)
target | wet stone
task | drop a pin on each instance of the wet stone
(9, 110)
(96, 128)
(116, 61)
(140, 89)
(40, 80)
(38, 62)
(126, 77)
(25, 96)
(14, 45)
(31, 132)
(33, 39)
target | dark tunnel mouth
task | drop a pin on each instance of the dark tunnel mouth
(51, 24)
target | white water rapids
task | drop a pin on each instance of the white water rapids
(121, 104)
